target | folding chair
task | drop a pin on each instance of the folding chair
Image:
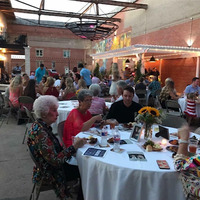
(60, 131)
(28, 103)
(41, 185)
(142, 95)
(173, 108)
(31, 119)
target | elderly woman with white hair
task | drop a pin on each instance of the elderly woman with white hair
(79, 119)
(47, 150)
(98, 105)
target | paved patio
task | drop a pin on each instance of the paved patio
(16, 165)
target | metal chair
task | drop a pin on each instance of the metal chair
(60, 131)
(142, 95)
(173, 121)
(41, 185)
(173, 108)
(28, 103)
(31, 119)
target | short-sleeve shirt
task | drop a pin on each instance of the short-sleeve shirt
(191, 89)
(74, 124)
(39, 73)
(85, 73)
(153, 87)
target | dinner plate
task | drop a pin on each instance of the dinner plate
(172, 148)
(153, 148)
(174, 142)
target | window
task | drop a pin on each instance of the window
(53, 64)
(66, 53)
(39, 52)
(38, 62)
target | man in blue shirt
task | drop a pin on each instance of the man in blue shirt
(85, 74)
(39, 73)
(194, 87)
(154, 86)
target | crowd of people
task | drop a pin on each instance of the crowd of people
(91, 110)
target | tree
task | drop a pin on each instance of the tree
(138, 73)
(96, 71)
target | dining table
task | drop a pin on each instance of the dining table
(116, 177)
(183, 104)
(64, 108)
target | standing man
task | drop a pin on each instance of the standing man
(16, 70)
(125, 110)
(39, 73)
(194, 87)
(85, 74)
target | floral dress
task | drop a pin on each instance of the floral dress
(50, 156)
(189, 168)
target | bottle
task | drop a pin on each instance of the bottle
(104, 134)
(116, 136)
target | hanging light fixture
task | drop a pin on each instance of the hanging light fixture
(152, 59)
(127, 61)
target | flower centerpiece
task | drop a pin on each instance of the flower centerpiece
(149, 116)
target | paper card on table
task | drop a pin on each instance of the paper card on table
(136, 156)
(95, 152)
(125, 141)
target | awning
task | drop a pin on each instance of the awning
(158, 51)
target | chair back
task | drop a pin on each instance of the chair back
(173, 121)
(29, 114)
(60, 130)
(26, 101)
(142, 95)
(173, 107)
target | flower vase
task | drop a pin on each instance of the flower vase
(147, 131)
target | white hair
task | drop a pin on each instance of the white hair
(95, 89)
(43, 104)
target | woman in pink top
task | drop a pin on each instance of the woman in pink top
(98, 104)
(79, 119)
(15, 90)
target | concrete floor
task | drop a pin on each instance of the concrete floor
(16, 165)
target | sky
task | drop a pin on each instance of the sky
(61, 5)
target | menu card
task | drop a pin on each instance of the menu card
(95, 152)
(136, 156)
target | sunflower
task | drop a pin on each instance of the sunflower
(154, 112)
(143, 110)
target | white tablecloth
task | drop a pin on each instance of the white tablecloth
(64, 109)
(183, 103)
(114, 177)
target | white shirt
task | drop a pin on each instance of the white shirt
(135, 98)
(57, 83)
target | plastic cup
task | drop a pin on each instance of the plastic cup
(193, 146)
(112, 123)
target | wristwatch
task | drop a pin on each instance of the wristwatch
(183, 141)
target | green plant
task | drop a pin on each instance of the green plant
(96, 71)
(138, 73)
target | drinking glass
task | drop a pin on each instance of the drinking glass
(193, 146)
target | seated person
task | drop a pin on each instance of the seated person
(79, 119)
(70, 90)
(168, 92)
(194, 87)
(130, 81)
(98, 105)
(140, 86)
(154, 86)
(49, 88)
(120, 87)
(187, 166)
(124, 111)
(47, 150)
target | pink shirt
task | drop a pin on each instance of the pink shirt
(73, 125)
(97, 106)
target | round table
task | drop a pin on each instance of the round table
(115, 177)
